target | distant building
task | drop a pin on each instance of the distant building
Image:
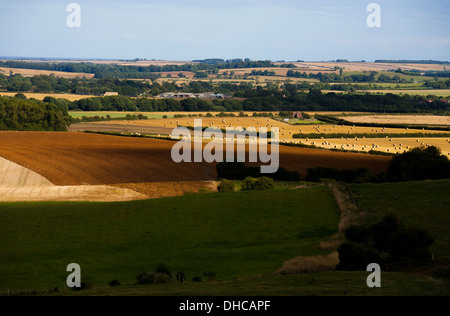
(109, 94)
(297, 115)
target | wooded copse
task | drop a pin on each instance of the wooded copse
(31, 115)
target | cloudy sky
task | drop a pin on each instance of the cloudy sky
(196, 29)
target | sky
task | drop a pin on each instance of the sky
(310, 30)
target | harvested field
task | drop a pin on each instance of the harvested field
(80, 127)
(33, 72)
(388, 145)
(81, 159)
(41, 96)
(401, 119)
(437, 92)
(364, 66)
(286, 130)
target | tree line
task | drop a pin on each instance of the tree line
(269, 100)
(132, 88)
(339, 78)
(133, 72)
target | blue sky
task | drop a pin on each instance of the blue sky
(196, 29)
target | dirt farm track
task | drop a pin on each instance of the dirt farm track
(69, 158)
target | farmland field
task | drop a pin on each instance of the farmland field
(439, 93)
(400, 119)
(388, 145)
(287, 132)
(315, 284)
(193, 234)
(121, 240)
(41, 96)
(33, 72)
(78, 158)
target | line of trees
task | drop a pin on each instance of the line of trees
(132, 88)
(266, 100)
(338, 78)
(134, 72)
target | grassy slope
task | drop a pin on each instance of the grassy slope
(424, 204)
(235, 234)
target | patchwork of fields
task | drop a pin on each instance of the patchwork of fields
(287, 132)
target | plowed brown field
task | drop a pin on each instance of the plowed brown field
(77, 159)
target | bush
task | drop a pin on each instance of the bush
(238, 171)
(422, 163)
(86, 284)
(347, 175)
(204, 190)
(356, 257)
(357, 234)
(384, 231)
(390, 239)
(162, 268)
(264, 183)
(226, 186)
(257, 184)
(114, 283)
(153, 278)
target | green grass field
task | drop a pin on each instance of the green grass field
(323, 284)
(423, 204)
(242, 237)
(232, 235)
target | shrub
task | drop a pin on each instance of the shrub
(164, 116)
(384, 231)
(153, 278)
(210, 276)
(346, 175)
(204, 190)
(356, 257)
(238, 171)
(388, 239)
(226, 186)
(264, 183)
(114, 283)
(357, 234)
(249, 184)
(86, 284)
(162, 268)
(257, 184)
(422, 163)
